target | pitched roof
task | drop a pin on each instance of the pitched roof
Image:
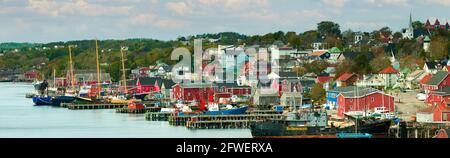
(335, 50)
(354, 55)
(389, 70)
(438, 78)
(425, 79)
(324, 79)
(318, 53)
(360, 93)
(345, 76)
(431, 65)
(443, 92)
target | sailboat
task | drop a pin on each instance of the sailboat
(122, 99)
(67, 97)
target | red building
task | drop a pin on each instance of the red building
(32, 74)
(227, 90)
(193, 91)
(440, 80)
(438, 102)
(364, 100)
(147, 85)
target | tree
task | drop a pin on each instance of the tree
(360, 66)
(316, 67)
(379, 63)
(318, 94)
(328, 28)
(439, 48)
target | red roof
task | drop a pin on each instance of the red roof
(324, 79)
(437, 23)
(345, 76)
(389, 70)
(426, 78)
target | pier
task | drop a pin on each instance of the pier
(94, 106)
(158, 116)
(417, 130)
(220, 121)
(138, 111)
(224, 124)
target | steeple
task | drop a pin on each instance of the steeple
(410, 20)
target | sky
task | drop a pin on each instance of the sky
(63, 20)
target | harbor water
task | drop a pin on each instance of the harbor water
(20, 119)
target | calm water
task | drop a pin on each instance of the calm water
(20, 119)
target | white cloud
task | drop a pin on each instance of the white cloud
(335, 3)
(181, 8)
(81, 7)
(440, 2)
(381, 3)
(151, 19)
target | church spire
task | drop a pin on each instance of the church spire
(410, 20)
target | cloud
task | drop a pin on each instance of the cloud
(335, 3)
(381, 3)
(181, 8)
(440, 2)
(81, 7)
(152, 19)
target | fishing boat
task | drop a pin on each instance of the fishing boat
(312, 123)
(40, 100)
(58, 100)
(315, 125)
(213, 109)
(354, 135)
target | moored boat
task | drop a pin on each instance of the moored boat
(39, 100)
(58, 100)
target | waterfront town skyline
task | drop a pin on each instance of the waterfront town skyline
(47, 20)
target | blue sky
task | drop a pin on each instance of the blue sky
(62, 20)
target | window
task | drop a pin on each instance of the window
(373, 99)
(351, 100)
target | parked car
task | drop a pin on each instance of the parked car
(421, 97)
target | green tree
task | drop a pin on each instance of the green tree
(328, 28)
(318, 94)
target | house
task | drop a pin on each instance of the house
(332, 95)
(440, 80)
(372, 80)
(32, 74)
(318, 43)
(193, 91)
(432, 67)
(320, 54)
(390, 76)
(413, 79)
(294, 98)
(230, 89)
(365, 100)
(149, 85)
(264, 98)
(334, 54)
(325, 81)
(423, 82)
(88, 77)
(439, 107)
(346, 79)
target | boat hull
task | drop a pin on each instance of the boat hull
(237, 111)
(42, 100)
(283, 129)
(57, 101)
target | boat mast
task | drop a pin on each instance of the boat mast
(98, 69)
(54, 77)
(123, 71)
(71, 69)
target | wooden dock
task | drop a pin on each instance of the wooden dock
(262, 112)
(229, 119)
(417, 130)
(94, 106)
(158, 116)
(137, 111)
(224, 124)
